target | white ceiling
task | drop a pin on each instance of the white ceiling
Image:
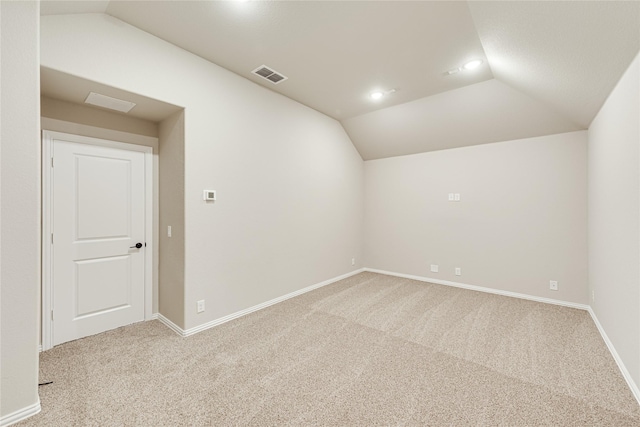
(485, 112)
(334, 53)
(569, 54)
(554, 63)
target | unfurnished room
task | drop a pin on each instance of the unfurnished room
(319, 213)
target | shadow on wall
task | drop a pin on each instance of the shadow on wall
(150, 123)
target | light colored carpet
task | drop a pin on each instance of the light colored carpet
(369, 350)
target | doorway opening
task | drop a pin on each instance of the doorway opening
(97, 210)
(155, 131)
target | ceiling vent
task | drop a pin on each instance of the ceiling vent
(105, 101)
(269, 74)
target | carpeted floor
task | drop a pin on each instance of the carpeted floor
(369, 350)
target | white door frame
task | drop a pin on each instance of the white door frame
(47, 217)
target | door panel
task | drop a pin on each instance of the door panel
(96, 198)
(101, 285)
(98, 215)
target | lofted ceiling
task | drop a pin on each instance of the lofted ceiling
(547, 66)
(569, 54)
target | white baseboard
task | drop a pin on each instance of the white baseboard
(154, 316)
(175, 328)
(216, 322)
(623, 369)
(625, 373)
(39, 348)
(20, 414)
(482, 289)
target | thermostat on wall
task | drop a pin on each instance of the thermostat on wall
(209, 195)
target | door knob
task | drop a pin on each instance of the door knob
(137, 246)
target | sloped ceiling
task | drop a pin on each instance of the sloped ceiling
(567, 54)
(334, 52)
(490, 111)
(554, 63)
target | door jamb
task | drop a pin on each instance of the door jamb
(48, 137)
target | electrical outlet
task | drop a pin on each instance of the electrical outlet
(553, 285)
(200, 306)
(434, 268)
(457, 197)
(458, 271)
(451, 197)
(168, 231)
(353, 261)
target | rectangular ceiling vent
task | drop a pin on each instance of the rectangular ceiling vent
(105, 101)
(269, 74)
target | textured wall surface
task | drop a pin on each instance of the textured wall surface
(289, 181)
(614, 218)
(171, 267)
(70, 112)
(521, 220)
(19, 206)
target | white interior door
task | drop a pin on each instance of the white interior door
(98, 217)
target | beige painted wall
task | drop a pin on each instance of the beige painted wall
(614, 218)
(520, 223)
(171, 277)
(19, 206)
(289, 181)
(70, 112)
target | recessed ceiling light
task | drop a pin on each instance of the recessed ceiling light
(378, 94)
(472, 64)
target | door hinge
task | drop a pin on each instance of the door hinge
(52, 315)
(52, 162)
(52, 238)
